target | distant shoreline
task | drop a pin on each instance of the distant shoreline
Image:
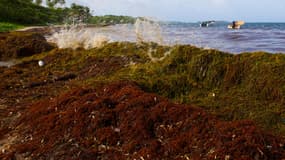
(43, 28)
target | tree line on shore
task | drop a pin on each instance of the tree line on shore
(39, 12)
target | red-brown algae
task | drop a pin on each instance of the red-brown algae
(120, 121)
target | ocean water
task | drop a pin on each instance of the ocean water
(269, 37)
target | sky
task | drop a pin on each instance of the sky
(191, 10)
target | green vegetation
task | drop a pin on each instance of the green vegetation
(50, 3)
(5, 27)
(25, 12)
(29, 13)
(78, 13)
(111, 19)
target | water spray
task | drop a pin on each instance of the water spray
(148, 30)
(155, 59)
(144, 30)
(77, 36)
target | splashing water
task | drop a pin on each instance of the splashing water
(155, 59)
(78, 37)
(148, 30)
(144, 30)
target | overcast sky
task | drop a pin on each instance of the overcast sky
(192, 10)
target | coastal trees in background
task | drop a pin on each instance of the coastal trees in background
(49, 3)
(52, 3)
(78, 13)
(32, 12)
(38, 2)
(111, 19)
(25, 12)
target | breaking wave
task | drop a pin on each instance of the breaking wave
(77, 37)
(82, 36)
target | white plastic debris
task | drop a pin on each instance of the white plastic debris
(117, 130)
(41, 63)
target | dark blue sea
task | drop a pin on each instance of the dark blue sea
(269, 37)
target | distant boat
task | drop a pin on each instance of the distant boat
(207, 23)
(236, 24)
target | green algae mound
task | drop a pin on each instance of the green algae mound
(243, 86)
(233, 87)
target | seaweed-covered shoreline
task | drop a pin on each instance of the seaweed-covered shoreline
(120, 121)
(248, 87)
